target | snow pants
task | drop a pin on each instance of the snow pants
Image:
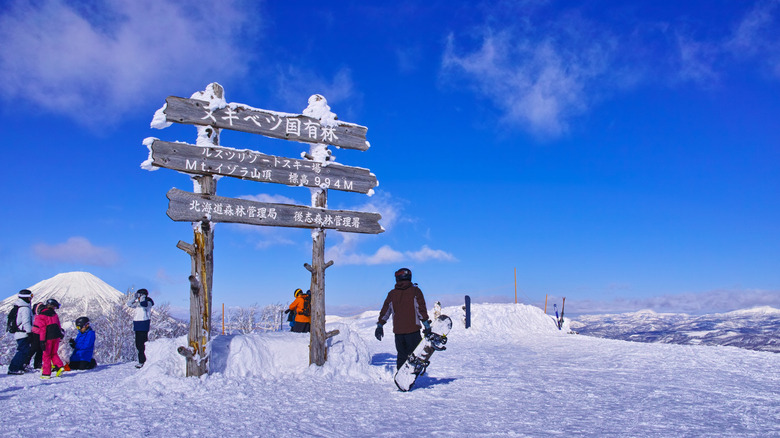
(301, 327)
(36, 353)
(22, 356)
(405, 345)
(50, 357)
(82, 364)
(140, 345)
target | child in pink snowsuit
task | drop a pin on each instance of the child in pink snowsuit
(48, 324)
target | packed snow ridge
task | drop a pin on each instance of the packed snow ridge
(512, 373)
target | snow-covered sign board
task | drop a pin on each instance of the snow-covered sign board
(192, 207)
(239, 117)
(255, 166)
(319, 128)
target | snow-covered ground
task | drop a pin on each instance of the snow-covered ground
(511, 374)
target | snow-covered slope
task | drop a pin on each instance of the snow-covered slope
(753, 329)
(511, 374)
(81, 292)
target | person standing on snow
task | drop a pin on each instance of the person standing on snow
(302, 308)
(406, 304)
(24, 324)
(83, 346)
(141, 322)
(35, 336)
(48, 324)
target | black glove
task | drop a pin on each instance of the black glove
(287, 311)
(72, 343)
(379, 332)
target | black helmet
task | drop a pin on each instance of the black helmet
(403, 274)
(297, 292)
(143, 292)
(81, 322)
(51, 302)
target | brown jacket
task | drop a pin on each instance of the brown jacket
(407, 306)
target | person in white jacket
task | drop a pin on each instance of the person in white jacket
(141, 322)
(24, 324)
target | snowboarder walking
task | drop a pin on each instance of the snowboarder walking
(23, 329)
(50, 334)
(406, 304)
(141, 322)
(83, 346)
(302, 308)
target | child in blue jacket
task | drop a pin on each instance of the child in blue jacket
(83, 346)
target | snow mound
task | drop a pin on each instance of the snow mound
(276, 355)
(268, 355)
(503, 319)
(260, 354)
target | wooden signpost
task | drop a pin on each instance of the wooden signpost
(192, 207)
(210, 113)
(254, 166)
(238, 117)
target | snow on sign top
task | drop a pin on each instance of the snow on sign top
(316, 125)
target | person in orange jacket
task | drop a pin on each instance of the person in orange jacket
(302, 308)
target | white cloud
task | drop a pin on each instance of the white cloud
(76, 250)
(425, 253)
(696, 60)
(538, 81)
(386, 255)
(95, 63)
(755, 36)
(346, 251)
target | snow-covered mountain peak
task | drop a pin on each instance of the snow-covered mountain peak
(756, 311)
(80, 291)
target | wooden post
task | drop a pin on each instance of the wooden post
(317, 347)
(545, 304)
(200, 288)
(202, 256)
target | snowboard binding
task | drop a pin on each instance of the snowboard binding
(437, 341)
(419, 364)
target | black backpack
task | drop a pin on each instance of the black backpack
(11, 326)
(306, 305)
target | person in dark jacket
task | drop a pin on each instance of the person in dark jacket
(406, 304)
(37, 352)
(141, 322)
(24, 324)
(83, 346)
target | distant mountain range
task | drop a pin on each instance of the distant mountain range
(752, 329)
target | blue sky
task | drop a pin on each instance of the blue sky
(624, 155)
